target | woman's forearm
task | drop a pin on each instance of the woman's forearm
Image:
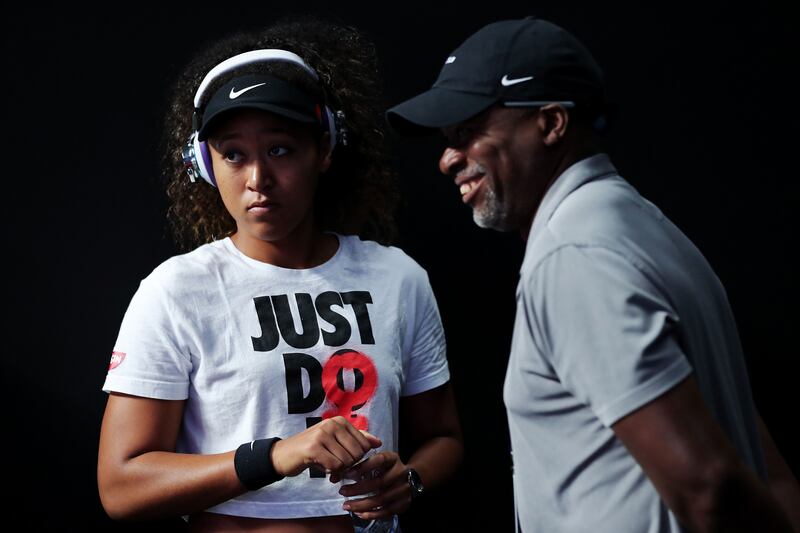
(437, 460)
(161, 484)
(157, 484)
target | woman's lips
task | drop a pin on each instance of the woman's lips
(262, 208)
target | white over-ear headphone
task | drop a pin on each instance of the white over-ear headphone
(196, 156)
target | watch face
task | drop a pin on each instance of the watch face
(415, 481)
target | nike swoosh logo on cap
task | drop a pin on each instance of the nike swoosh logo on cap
(506, 82)
(236, 94)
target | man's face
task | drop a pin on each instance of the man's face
(495, 159)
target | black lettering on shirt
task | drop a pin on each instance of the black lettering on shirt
(269, 330)
(359, 301)
(308, 320)
(294, 363)
(341, 333)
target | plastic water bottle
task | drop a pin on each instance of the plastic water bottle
(389, 524)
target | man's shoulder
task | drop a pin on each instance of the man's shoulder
(607, 213)
(597, 209)
(592, 215)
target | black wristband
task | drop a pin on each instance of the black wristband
(253, 464)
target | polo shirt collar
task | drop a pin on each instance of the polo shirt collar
(583, 171)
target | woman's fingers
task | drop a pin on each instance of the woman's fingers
(350, 438)
(341, 440)
(374, 442)
(390, 500)
(361, 487)
(374, 466)
(333, 445)
(350, 447)
(384, 476)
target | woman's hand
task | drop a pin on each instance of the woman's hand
(385, 474)
(333, 445)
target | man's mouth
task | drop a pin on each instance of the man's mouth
(469, 187)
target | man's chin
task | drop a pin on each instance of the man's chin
(491, 221)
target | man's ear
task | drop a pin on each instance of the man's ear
(555, 120)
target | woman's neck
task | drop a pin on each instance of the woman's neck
(306, 247)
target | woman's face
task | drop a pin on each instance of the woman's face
(267, 169)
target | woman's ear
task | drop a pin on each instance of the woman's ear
(325, 147)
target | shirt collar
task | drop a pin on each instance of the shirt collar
(583, 171)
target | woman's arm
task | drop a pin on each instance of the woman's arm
(431, 422)
(140, 476)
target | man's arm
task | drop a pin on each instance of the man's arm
(781, 481)
(695, 468)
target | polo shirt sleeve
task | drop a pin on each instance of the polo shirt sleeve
(151, 356)
(608, 330)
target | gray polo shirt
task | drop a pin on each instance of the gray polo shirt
(615, 306)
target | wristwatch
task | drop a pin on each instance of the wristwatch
(416, 483)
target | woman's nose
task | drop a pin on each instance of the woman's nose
(260, 176)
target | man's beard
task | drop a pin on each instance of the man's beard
(491, 213)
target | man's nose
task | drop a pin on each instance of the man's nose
(450, 161)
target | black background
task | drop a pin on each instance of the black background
(707, 130)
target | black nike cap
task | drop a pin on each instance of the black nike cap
(523, 62)
(260, 91)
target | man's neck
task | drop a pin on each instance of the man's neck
(570, 156)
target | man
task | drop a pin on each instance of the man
(628, 400)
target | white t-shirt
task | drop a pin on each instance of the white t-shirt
(261, 351)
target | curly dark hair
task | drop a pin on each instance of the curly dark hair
(359, 194)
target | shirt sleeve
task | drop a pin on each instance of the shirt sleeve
(151, 356)
(608, 330)
(425, 361)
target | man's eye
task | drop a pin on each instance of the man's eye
(230, 155)
(461, 135)
(278, 151)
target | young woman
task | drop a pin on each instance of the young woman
(255, 371)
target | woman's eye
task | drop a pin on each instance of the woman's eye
(230, 155)
(235, 156)
(278, 151)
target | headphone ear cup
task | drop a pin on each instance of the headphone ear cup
(203, 159)
(197, 160)
(189, 162)
(329, 122)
